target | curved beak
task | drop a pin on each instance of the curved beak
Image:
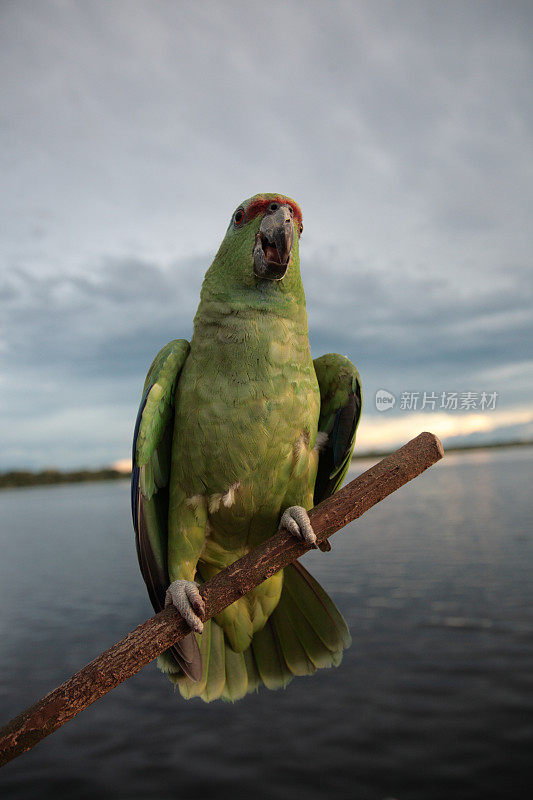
(273, 244)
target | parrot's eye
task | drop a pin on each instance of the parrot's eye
(238, 217)
(300, 229)
(273, 206)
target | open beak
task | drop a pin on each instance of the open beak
(273, 244)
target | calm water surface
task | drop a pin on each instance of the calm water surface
(433, 700)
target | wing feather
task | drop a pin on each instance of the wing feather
(340, 411)
(152, 442)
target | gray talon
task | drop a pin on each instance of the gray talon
(295, 520)
(186, 598)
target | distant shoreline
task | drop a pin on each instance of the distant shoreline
(14, 479)
(457, 448)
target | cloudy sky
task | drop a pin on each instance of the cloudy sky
(130, 131)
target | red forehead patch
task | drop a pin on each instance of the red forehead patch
(260, 205)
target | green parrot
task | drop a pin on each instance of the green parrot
(240, 433)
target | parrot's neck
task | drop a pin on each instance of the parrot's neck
(241, 319)
(245, 329)
(262, 299)
(230, 286)
(230, 290)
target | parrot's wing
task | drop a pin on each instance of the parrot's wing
(340, 411)
(152, 443)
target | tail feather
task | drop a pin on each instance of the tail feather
(337, 658)
(254, 679)
(324, 598)
(293, 651)
(314, 647)
(216, 665)
(236, 686)
(305, 632)
(315, 606)
(271, 664)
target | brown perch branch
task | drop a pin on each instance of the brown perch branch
(158, 633)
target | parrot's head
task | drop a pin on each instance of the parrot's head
(269, 225)
(261, 245)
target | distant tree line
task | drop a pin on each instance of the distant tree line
(47, 477)
(16, 478)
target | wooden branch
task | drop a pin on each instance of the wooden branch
(158, 633)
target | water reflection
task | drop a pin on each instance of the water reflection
(433, 699)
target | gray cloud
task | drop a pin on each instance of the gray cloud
(131, 130)
(77, 344)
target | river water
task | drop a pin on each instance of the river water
(433, 699)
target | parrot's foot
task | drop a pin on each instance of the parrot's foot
(186, 598)
(295, 520)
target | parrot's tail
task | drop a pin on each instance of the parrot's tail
(304, 633)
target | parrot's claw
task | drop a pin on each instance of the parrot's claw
(186, 598)
(295, 520)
